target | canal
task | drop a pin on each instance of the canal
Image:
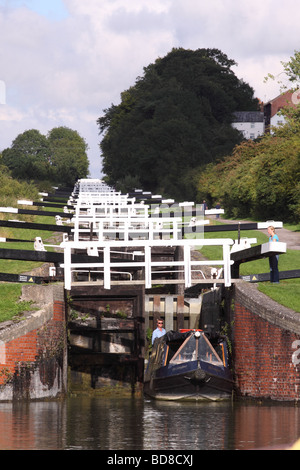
(85, 423)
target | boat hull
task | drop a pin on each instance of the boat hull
(190, 382)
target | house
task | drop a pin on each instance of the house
(250, 123)
(256, 123)
(272, 108)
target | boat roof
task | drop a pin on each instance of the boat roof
(173, 336)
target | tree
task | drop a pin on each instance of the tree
(292, 68)
(260, 179)
(29, 156)
(60, 157)
(291, 72)
(175, 118)
(69, 160)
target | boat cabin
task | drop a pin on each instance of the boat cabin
(175, 348)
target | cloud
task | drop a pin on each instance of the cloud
(257, 35)
(243, 27)
(66, 61)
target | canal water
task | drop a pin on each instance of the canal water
(85, 423)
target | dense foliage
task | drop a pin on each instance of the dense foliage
(260, 179)
(59, 157)
(69, 159)
(11, 189)
(175, 118)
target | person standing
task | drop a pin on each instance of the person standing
(273, 260)
(218, 206)
(160, 331)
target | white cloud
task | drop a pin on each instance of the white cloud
(11, 115)
(66, 71)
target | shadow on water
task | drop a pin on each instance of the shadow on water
(85, 423)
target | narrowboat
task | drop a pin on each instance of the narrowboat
(186, 366)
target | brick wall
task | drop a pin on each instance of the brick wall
(265, 347)
(34, 350)
(281, 101)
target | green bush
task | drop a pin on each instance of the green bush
(260, 179)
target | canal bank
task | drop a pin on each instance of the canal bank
(266, 346)
(51, 352)
(33, 351)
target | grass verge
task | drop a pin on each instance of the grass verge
(11, 308)
(286, 293)
(10, 305)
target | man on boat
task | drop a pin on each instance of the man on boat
(160, 331)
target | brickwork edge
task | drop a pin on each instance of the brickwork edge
(266, 308)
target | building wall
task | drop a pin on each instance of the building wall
(33, 360)
(266, 347)
(250, 130)
(281, 101)
(272, 107)
(277, 120)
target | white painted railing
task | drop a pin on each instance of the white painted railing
(126, 228)
(107, 213)
(111, 210)
(92, 185)
(110, 264)
(122, 226)
(90, 199)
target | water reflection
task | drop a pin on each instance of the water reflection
(32, 426)
(171, 426)
(105, 424)
(122, 424)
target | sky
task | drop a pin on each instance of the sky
(63, 62)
